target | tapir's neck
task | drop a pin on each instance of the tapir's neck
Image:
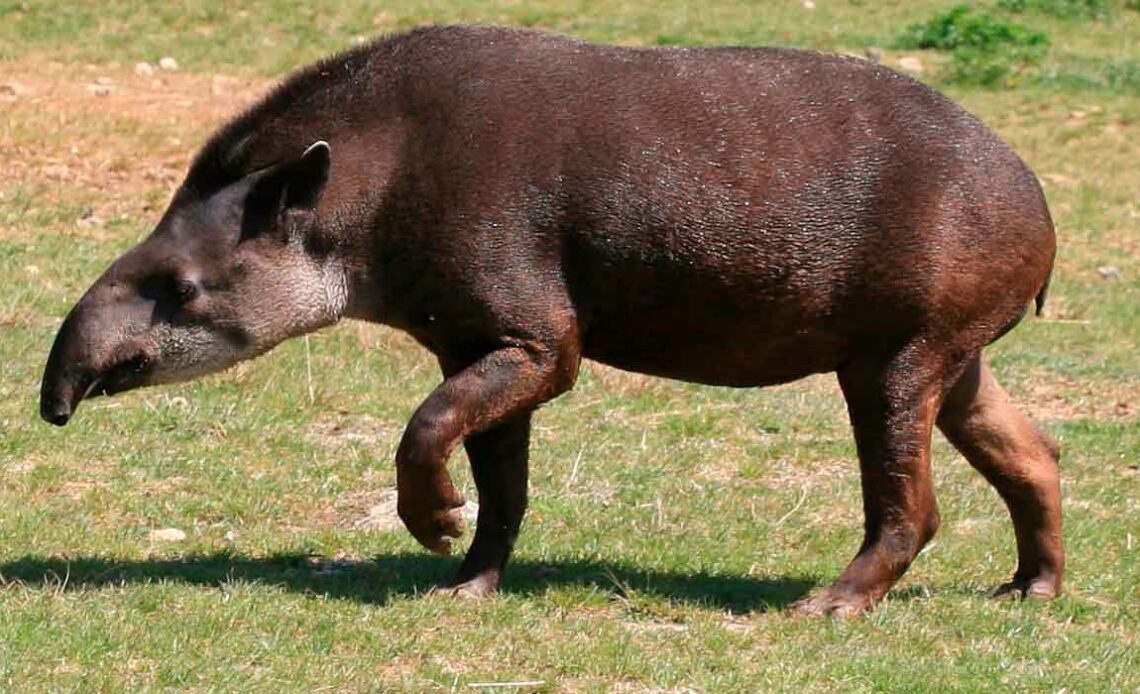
(347, 275)
(359, 298)
(338, 297)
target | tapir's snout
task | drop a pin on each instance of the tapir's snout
(65, 380)
(90, 357)
(59, 418)
(55, 410)
(59, 396)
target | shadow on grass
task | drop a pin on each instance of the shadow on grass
(379, 580)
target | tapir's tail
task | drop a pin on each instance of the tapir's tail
(1039, 300)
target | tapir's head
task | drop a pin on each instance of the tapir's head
(227, 274)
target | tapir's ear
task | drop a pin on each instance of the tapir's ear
(290, 187)
(306, 178)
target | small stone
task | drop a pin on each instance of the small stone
(382, 515)
(99, 89)
(167, 535)
(168, 63)
(11, 90)
(809, 5)
(221, 84)
(230, 536)
(1061, 180)
(1108, 272)
(875, 55)
(911, 64)
(144, 69)
(90, 221)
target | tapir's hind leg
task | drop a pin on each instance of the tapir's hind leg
(892, 407)
(1020, 461)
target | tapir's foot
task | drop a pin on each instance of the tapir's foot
(834, 602)
(435, 528)
(482, 586)
(432, 514)
(1042, 587)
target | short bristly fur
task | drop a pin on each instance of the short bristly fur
(518, 200)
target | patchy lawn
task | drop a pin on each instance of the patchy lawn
(671, 524)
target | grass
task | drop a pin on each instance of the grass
(671, 524)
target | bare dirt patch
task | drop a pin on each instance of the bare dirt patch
(341, 428)
(618, 382)
(173, 98)
(375, 509)
(123, 139)
(1052, 400)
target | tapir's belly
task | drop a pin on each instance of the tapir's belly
(741, 322)
(725, 360)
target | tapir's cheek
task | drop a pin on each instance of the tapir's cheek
(187, 352)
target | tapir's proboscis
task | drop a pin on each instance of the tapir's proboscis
(518, 201)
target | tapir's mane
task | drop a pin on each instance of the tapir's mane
(264, 133)
(280, 125)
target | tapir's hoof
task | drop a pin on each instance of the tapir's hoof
(436, 529)
(479, 587)
(1039, 588)
(832, 603)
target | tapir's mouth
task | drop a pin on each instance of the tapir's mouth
(126, 375)
(57, 406)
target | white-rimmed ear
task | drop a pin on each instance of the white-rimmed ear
(306, 177)
(315, 145)
(286, 189)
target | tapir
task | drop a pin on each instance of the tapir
(518, 200)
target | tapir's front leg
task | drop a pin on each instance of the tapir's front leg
(501, 386)
(499, 464)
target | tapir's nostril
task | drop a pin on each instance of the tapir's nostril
(57, 416)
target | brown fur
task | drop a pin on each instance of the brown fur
(518, 201)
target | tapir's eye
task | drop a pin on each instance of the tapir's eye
(168, 288)
(185, 291)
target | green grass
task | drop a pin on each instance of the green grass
(671, 524)
(1065, 9)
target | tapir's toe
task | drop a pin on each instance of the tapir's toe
(1039, 588)
(446, 526)
(833, 603)
(435, 530)
(481, 586)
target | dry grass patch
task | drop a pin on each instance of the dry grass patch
(317, 586)
(339, 429)
(1050, 398)
(117, 140)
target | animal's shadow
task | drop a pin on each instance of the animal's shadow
(379, 580)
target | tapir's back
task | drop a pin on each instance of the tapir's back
(738, 216)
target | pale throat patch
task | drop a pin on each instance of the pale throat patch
(335, 282)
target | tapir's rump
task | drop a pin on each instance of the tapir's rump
(518, 200)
